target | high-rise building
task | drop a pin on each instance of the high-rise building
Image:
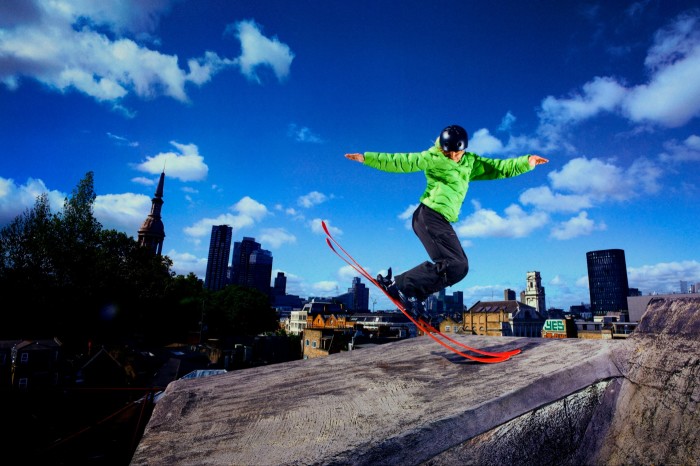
(152, 231)
(357, 297)
(280, 288)
(251, 265)
(260, 270)
(217, 262)
(534, 292)
(607, 281)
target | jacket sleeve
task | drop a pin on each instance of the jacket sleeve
(407, 162)
(492, 169)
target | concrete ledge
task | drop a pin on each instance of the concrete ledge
(400, 403)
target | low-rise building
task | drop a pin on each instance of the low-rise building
(503, 318)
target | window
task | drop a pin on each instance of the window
(23, 383)
(313, 344)
(307, 343)
(24, 358)
(447, 328)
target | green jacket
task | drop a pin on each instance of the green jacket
(448, 181)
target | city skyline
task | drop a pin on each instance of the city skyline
(248, 108)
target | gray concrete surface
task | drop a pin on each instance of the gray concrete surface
(561, 402)
(400, 403)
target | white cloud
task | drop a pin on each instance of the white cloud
(515, 224)
(276, 237)
(667, 98)
(482, 142)
(685, 151)
(347, 273)
(507, 122)
(184, 263)
(407, 216)
(602, 180)
(600, 94)
(544, 199)
(16, 199)
(187, 165)
(249, 211)
(312, 199)
(317, 228)
(674, 60)
(97, 48)
(258, 50)
(303, 134)
(580, 225)
(663, 277)
(325, 287)
(123, 212)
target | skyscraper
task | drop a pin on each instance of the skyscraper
(260, 270)
(280, 288)
(217, 262)
(252, 265)
(607, 281)
(152, 231)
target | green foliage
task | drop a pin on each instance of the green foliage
(75, 280)
(235, 311)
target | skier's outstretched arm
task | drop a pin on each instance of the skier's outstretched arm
(536, 160)
(356, 157)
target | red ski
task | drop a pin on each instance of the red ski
(479, 356)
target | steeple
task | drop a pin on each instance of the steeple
(152, 231)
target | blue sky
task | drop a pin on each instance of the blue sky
(249, 107)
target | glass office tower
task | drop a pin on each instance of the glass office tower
(607, 281)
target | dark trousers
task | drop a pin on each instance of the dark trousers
(449, 265)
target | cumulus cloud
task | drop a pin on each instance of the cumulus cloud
(184, 263)
(663, 277)
(247, 212)
(317, 227)
(600, 180)
(186, 165)
(684, 151)
(15, 198)
(258, 50)
(516, 223)
(312, 199)
(276, 237)
(544, 198)
(100, 49)
(666, 99)
(122, 212)
(580, 225)
(482, 142)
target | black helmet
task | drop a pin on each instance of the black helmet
(454, 138)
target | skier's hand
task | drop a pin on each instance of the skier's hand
(356, 157)
(536, 160)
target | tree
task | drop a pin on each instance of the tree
(237, 311)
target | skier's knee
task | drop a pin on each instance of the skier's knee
(456, 271)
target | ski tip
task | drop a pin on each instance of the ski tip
(325, 227)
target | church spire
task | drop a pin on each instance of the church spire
(152, 231)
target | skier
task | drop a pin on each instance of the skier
(448, 169)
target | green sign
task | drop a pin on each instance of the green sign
(555, 325)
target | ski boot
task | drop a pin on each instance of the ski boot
(389, 285)
(419, 313)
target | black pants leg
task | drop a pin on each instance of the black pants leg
(449, 265)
